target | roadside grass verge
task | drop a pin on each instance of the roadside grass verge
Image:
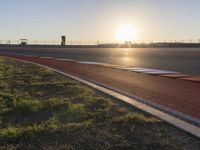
(40, 109)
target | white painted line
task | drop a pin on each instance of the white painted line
(149, 70)
(181, 124)
(160, 72)
(138, 69)
(47, 57)
(96, 63)
(119, 67)
(92, 63)
(89, 62)
(63, 59)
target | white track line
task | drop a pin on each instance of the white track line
(47, 57)
(63, 59)
(149, 70)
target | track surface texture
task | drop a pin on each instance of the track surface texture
(182, 96)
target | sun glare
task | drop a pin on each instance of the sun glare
(126, 33)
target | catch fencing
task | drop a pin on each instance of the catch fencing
(94, 42)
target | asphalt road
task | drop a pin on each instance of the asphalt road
(184, 60)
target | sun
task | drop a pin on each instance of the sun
(126, 33)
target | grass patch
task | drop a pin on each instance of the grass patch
(40, 109)
(27, 106)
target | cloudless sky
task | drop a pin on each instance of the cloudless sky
(99, 19)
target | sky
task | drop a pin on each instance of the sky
(99, 19)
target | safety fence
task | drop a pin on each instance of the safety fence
(92, 42)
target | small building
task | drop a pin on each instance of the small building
(23, 41)
(63, 40)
